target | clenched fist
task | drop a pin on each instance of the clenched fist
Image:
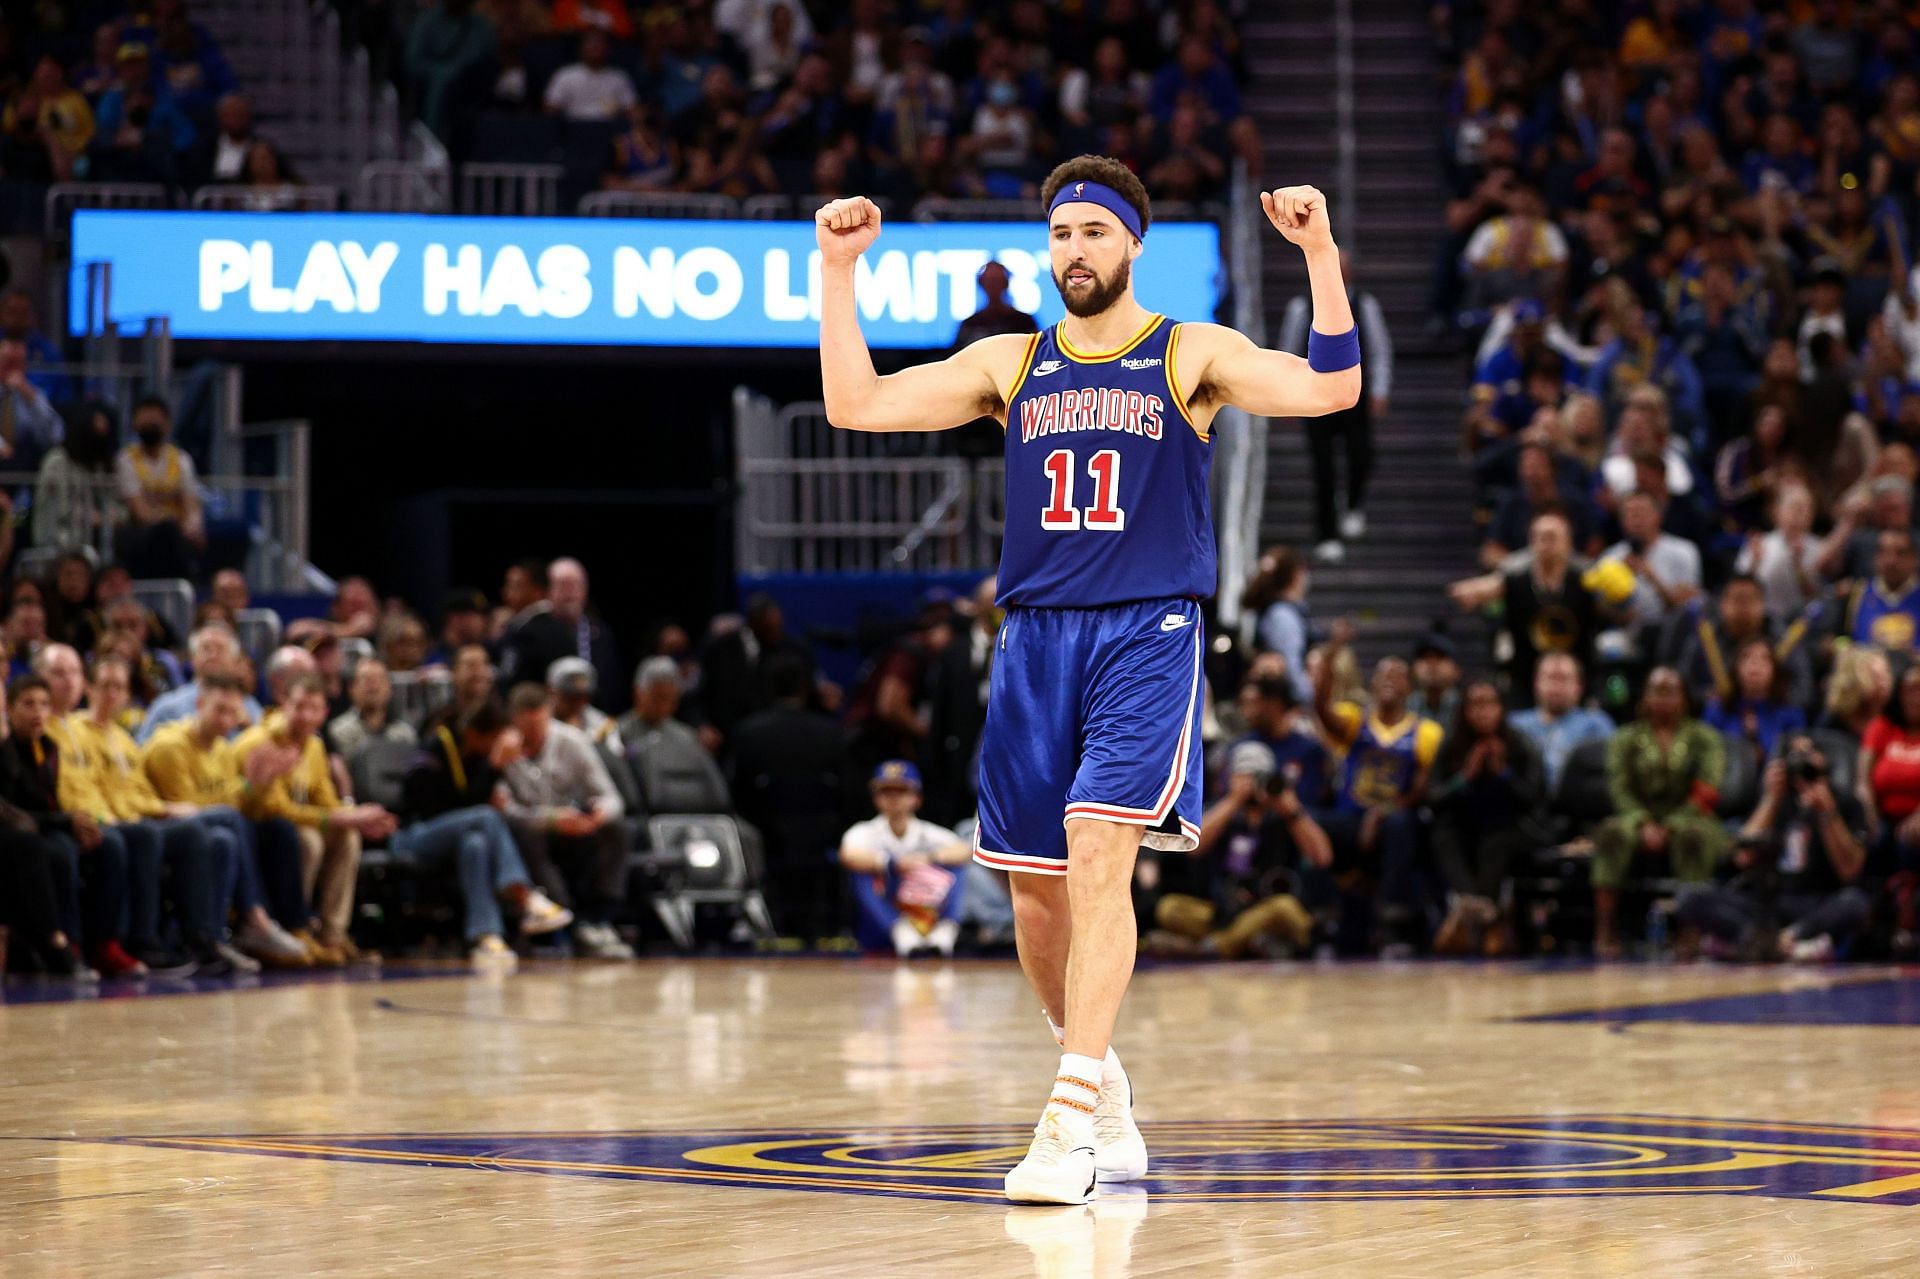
(844, 228)
(1300, 214)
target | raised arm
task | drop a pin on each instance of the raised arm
(1230, 369)
(927, 397)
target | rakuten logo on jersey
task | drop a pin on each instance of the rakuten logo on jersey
(1090, 409)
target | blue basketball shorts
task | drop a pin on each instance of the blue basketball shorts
(1091, 712)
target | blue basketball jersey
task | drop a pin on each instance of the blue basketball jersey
(1106, 477)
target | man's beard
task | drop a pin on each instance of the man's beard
(1100, 295)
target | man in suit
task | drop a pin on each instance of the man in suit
(562, 625)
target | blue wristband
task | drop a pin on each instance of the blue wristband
(1330, 353)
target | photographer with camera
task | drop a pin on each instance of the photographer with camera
(1798, 857)
(1490, 782)
(1241, 893)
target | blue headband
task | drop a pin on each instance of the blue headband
(1104, 196)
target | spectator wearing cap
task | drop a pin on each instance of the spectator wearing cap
(372, 718)
(463, 621)
(1518, 334)
(572, 683)
(1558, 724)
(1488, 785)
(906, 873)
(213, 650)
(1666, 569)
(564, 809)
(1239, 891)
(139, 126)
(562, 625)
(1436, 678)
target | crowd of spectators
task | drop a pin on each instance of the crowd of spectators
(1678, 260)
(141, 96)
(894, 98)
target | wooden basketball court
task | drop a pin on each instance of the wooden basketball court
(845, 1117)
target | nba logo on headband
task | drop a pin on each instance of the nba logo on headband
(1079, 188)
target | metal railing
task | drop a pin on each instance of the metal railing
(511, 190)
(274, 505)
(1240, 440)
(287, 197)
(657, 204)
(816, 499)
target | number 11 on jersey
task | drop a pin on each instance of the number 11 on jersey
(1104, 515)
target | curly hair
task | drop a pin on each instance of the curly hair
(1105, 170)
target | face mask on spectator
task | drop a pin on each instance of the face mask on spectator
(151, 436)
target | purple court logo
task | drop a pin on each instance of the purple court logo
(1529, 1157)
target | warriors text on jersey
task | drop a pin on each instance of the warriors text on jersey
(1106, 477)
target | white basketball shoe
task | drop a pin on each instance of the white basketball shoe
(1120, 1152)
(1058, 1168)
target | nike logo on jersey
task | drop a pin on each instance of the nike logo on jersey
(1048, 366)
(1153, 363)
(1173, 622)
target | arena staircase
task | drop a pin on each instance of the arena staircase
(1419, 533)
(313, 96)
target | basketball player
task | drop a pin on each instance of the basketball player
(1093, 719)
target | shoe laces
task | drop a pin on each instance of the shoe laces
(1110, 1115)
